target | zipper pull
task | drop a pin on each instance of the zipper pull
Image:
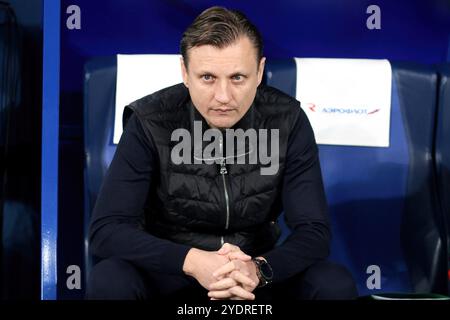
(223, 168)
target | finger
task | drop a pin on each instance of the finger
(227, 268)
(227, 248)
(224, 284)
(223, 294)
(239, 255)
(242, 279)
(240, 292)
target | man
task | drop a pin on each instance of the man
(166, 228)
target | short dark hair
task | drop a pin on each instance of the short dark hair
(220, 27)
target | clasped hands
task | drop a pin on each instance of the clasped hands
(227, 273)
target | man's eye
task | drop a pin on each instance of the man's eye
(237, 78)
(207, 77)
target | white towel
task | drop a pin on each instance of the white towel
(347, 101)
(140, 75)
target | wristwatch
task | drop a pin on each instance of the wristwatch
(263, 271)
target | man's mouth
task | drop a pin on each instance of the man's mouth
(223, 110)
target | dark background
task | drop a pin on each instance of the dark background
(20, 157)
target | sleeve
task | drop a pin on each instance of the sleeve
(116, 228)
(304, 204)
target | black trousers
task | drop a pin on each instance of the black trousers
(114, 279)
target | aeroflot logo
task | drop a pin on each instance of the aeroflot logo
(339, 110)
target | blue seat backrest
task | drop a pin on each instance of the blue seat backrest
(382, 201)
(443, 150)
(99, 112)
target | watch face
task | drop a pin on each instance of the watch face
(266, 270)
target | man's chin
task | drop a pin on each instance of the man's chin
(221, 123)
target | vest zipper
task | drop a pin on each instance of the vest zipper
(223, 172)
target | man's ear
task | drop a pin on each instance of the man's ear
(262, 64)
(184, 72)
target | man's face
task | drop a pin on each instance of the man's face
(222, 82)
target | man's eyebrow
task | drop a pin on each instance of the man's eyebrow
(242, 74)
(234, 74)
(201, 73)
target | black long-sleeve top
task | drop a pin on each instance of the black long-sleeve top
(116, 228)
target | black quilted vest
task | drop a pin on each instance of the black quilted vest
(195, 204)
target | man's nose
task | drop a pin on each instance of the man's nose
(222, 92)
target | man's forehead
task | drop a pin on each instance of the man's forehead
(237, 47)
(216, 69)
(204, 65)
(235, 57)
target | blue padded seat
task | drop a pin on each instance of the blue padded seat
(443, 151)
(383, 201)
(99, 112)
